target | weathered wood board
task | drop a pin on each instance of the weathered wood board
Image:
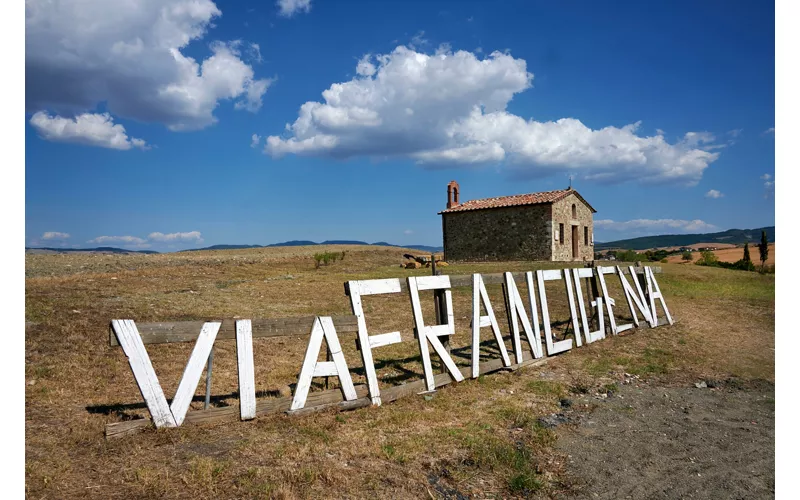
(316, 401)
(244, 357)
(187, 331)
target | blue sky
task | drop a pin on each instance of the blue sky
(140, 123)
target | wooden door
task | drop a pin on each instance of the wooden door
(575, 254)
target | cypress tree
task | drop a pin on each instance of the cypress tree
(763, 248)
(746, 257)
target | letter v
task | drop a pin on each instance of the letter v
(164, 415)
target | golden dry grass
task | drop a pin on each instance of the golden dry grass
(479, 437)
(730, 255)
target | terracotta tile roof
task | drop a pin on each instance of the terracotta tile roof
(516, 200)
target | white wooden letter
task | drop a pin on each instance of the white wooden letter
(577, 274)
(431, 334)
(366, 341)
(610, 303)
(517, 313)
(552, 347)
(479, 294)
(655, 293)
(572, 314)
(634, 299)
(244, 358)
(143, 373)
(323, 327)
(193, 371)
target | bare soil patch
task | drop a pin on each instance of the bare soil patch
(649, 441)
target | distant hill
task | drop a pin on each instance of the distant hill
(733, 236)
(296, 243)
(95, 250)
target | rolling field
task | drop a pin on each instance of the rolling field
(478, 438)
(731, 255)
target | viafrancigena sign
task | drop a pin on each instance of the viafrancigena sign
(639, 294)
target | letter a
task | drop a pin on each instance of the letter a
(479, 294)
(323, 327)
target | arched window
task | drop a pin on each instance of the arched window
(574, 211)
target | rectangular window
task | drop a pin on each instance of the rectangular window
(586, 235)
(561, 233)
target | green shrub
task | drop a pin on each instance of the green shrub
(687, 256)
(707, 258)
(326, 258)
(741, 264)
(764, 269)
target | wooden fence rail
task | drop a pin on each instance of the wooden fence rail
(187, 331)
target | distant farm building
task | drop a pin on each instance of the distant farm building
(551, 225)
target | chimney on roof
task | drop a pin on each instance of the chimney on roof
(452, 194)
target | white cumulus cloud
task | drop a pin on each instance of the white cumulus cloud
(254, 140)
(769, 185)
(449, 109)
(55, 235)
(713, 193)
(655, 225)
(192, 236)
(288, 8)
(87, 128)
(130, 56)
(125, 240)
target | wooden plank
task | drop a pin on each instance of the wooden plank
(537, 334)
(551, 274)
(325, 369)
(589, 335)
(634, 299)
(479, 294)
(581, 307)
(433, 282)
(316, 400)
(654, 292)
(376, 286)
(571, 301)
(383, 339)
(309, 366)
(451, 319)
(335, 350)
(143, 372)
(193, 371)
(323, 328)
(354, 288)
(187, 331)
(428, 334)
(517, 315)
(552, 347)
(610, 303)
(244, 359)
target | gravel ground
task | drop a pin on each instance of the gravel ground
(645, 441)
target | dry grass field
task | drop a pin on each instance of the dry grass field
(478, 438)
(730, 255)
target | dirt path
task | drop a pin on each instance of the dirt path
(647, 441)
